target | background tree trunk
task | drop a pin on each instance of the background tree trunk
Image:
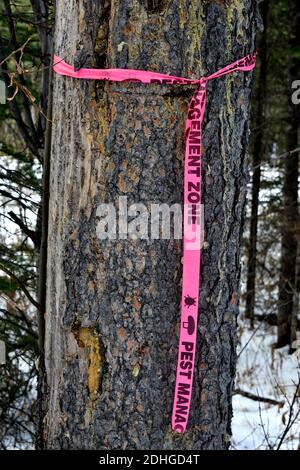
(257, 158)
(113, 307)
(287, 321)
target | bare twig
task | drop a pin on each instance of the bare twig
(30, 233)
(259, 398)
(251, 337)
(270, 446)
(16, 51)
(292, 417)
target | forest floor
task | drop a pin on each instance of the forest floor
(269, 373)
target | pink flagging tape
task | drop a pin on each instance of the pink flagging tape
(192, 211)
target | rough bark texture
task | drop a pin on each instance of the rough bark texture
(113, 308)
(287, 316)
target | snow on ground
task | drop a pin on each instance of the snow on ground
(270, 373)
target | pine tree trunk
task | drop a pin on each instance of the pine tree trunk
(258, 124)
(290, 224)
(113, 307)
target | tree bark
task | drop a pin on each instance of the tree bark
(257, 157)
(287, 317)
(113, 307)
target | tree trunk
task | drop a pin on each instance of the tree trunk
(258, 124)
(289, 233)
(113, 306)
